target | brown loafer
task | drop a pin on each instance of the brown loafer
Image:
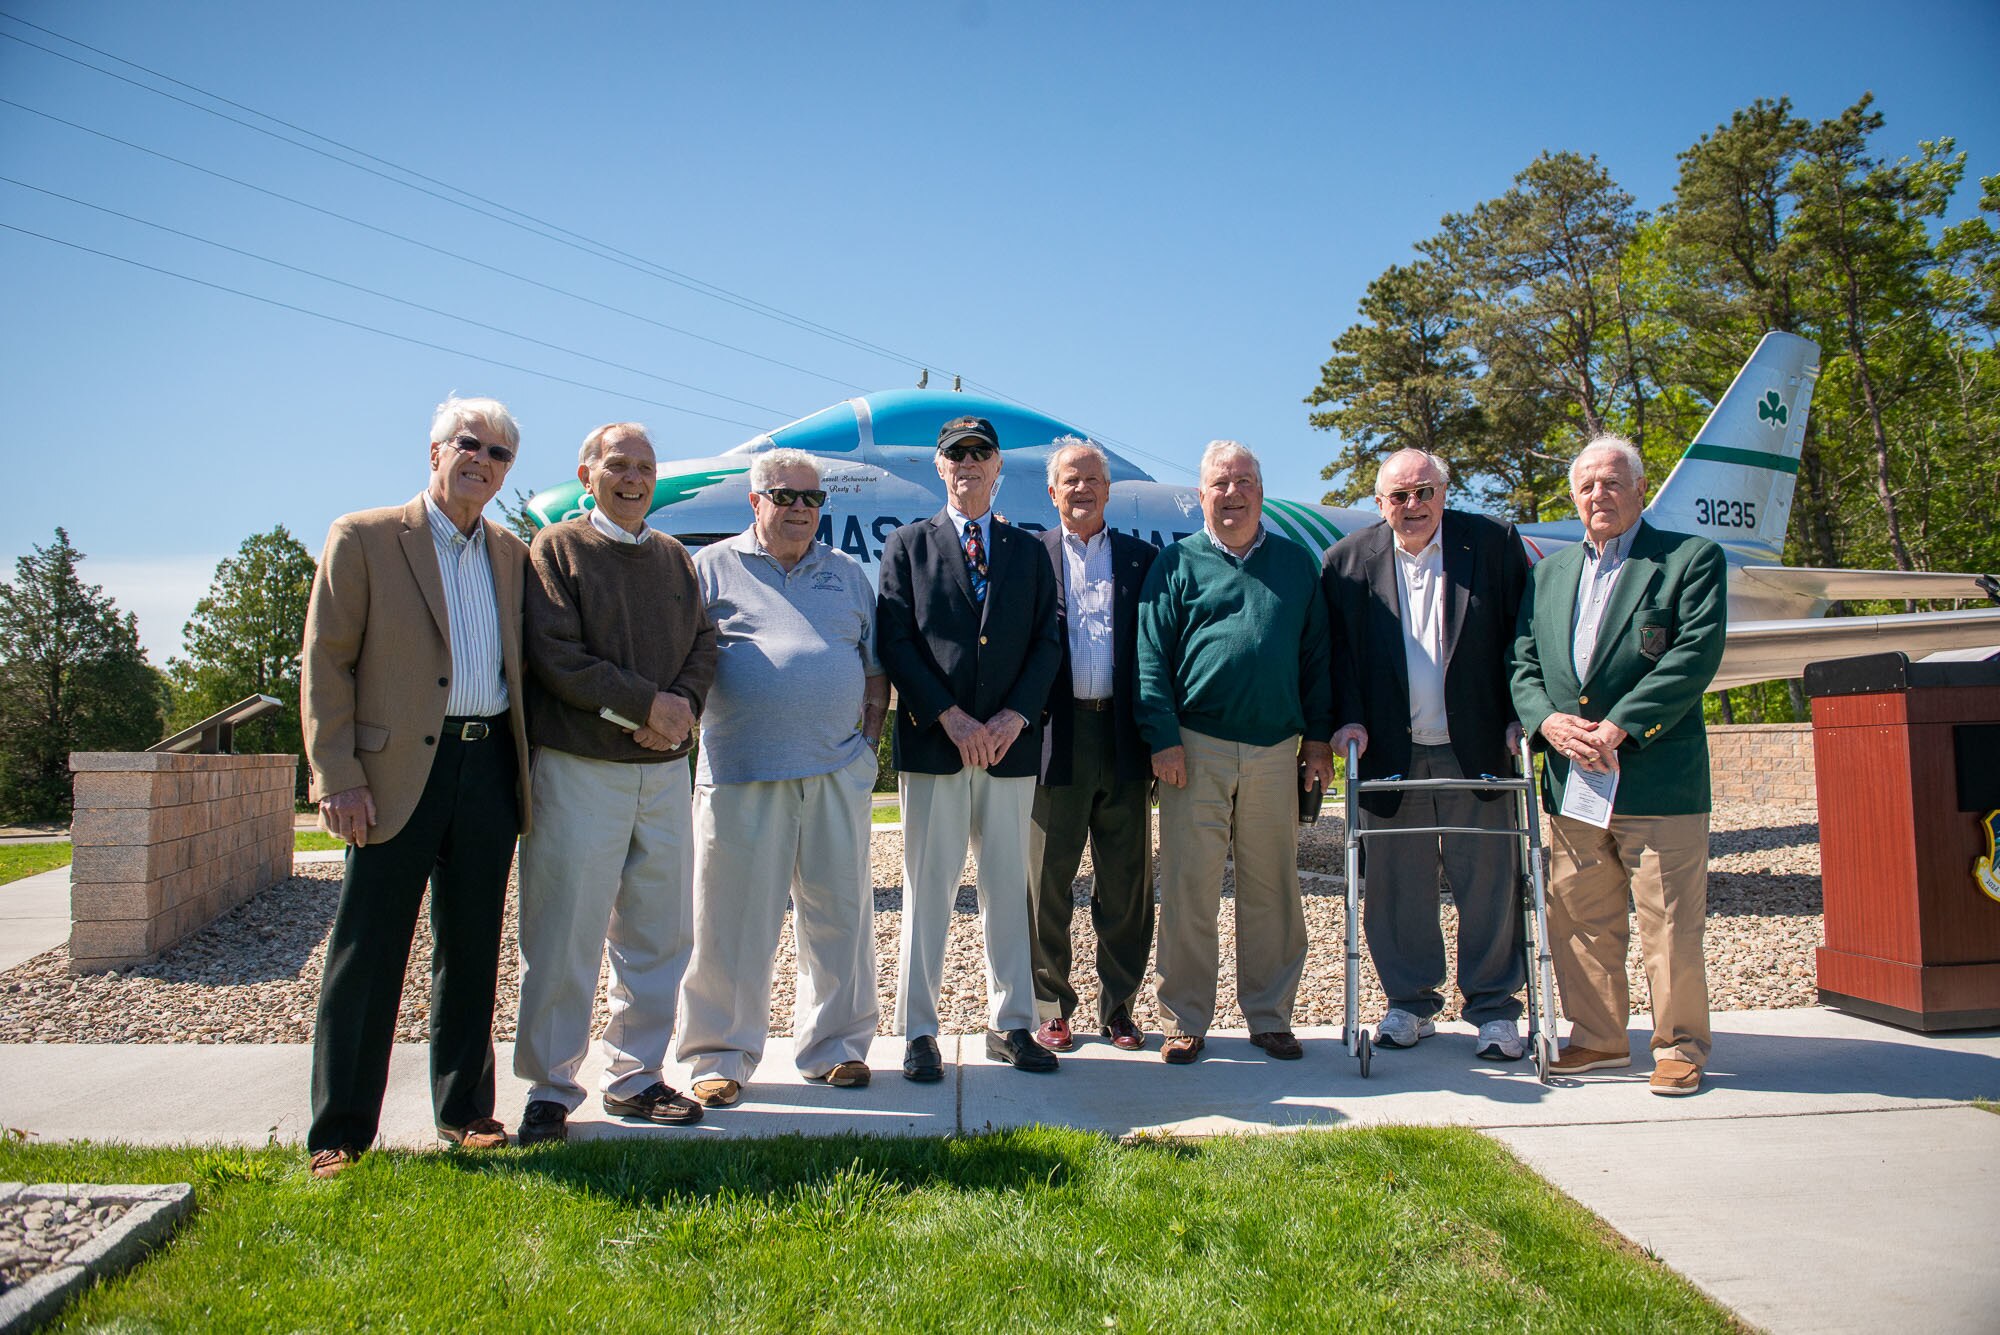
(332, 1163)
(1124, 1034)
(1182, 1049)
(481, 1133)
(656, 1103)
(1575, 1060)
(1672, 1076)
(1280, 1044)
(848, 1075)
(716, 1092)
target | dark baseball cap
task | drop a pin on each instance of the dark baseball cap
(967, 431)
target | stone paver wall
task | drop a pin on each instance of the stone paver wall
(1761, 762)
(165, 844)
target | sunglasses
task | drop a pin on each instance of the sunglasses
(979, 454)
(786, 497)
(1414, 496)
(472, 445)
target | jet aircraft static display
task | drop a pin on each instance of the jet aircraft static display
(1734, 484)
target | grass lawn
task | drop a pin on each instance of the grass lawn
(18, 860)
(1039, 1230)
(887, 814)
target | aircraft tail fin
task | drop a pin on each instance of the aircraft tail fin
(1734, 484)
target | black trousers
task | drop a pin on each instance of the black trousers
(1115, 816)
(460, 840)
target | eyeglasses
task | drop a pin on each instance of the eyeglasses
(786, 497)
(979, 454)
(472, 445)
(1414, 496)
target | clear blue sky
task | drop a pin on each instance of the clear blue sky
(1146, 218)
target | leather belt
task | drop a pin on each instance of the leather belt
(472, 729)
(1094, 706)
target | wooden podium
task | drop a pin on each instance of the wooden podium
(1908, 767)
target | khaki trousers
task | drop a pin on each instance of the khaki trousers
(755, 845)
(1240, 801)
(610, 862)
(943, 814)
(1662, 862)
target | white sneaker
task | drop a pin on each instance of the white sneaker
(1400, 1029)
(1500, 1041)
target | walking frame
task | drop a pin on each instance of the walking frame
(1533, 892)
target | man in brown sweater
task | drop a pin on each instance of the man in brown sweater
(621, 653)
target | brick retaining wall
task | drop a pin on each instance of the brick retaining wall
(1761, 762)
(166, 844)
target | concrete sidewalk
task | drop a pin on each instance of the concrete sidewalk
(1829, 1178)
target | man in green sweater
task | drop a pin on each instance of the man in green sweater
(1234, 699)
(622, 653)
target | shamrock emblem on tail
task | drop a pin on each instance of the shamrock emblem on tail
(1772, 409)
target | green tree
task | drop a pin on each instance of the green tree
(72, 678)
(244, 639)
(1401, 378)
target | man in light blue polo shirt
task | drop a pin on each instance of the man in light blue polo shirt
(782, 786)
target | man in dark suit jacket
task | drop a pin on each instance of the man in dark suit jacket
(1096, 771)
(412, 706)
(966, 629)
(1421, 610)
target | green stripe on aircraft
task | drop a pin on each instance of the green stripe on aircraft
(559, 502)
(1723, 454)
(1313, 520)
(1284, 523)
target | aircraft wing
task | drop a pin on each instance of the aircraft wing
(1762, 650)
(1821, 582)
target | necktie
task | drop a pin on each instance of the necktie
(975, 560)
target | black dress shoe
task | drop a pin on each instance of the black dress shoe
(922, 1062)
(657, 1103)
(544, 1120)
(1017, 1048)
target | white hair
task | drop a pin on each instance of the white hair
(1229, 449)
(1442, 468)
(1062, 445)
(451, 416)
(765, 466)
(593, 444)
(1626, 452)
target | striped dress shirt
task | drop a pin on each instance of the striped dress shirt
(1594, 583)
(1087, 590)
(478, 682)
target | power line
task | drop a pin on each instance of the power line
(425, 245)
(458, 198)
(371, 329)
(400, 301)
(541, 227)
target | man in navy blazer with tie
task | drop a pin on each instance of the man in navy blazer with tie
(966, 629)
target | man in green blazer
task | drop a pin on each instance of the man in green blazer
(1618, 637)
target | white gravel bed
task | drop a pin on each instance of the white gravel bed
(39, 1234)
(253, 976)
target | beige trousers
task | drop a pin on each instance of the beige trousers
(1662, 862)
(610, 863)
(756, 845)
(943, 814)
(1240, 801)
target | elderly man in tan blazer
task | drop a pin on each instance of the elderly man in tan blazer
(411, 700)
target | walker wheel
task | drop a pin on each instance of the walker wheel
(1545, 1057)
(1364, 1052)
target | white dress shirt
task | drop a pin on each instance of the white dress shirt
(472, 611)
(615, 531)
(1593, 590)
(1087, 583)
(1420, 586)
